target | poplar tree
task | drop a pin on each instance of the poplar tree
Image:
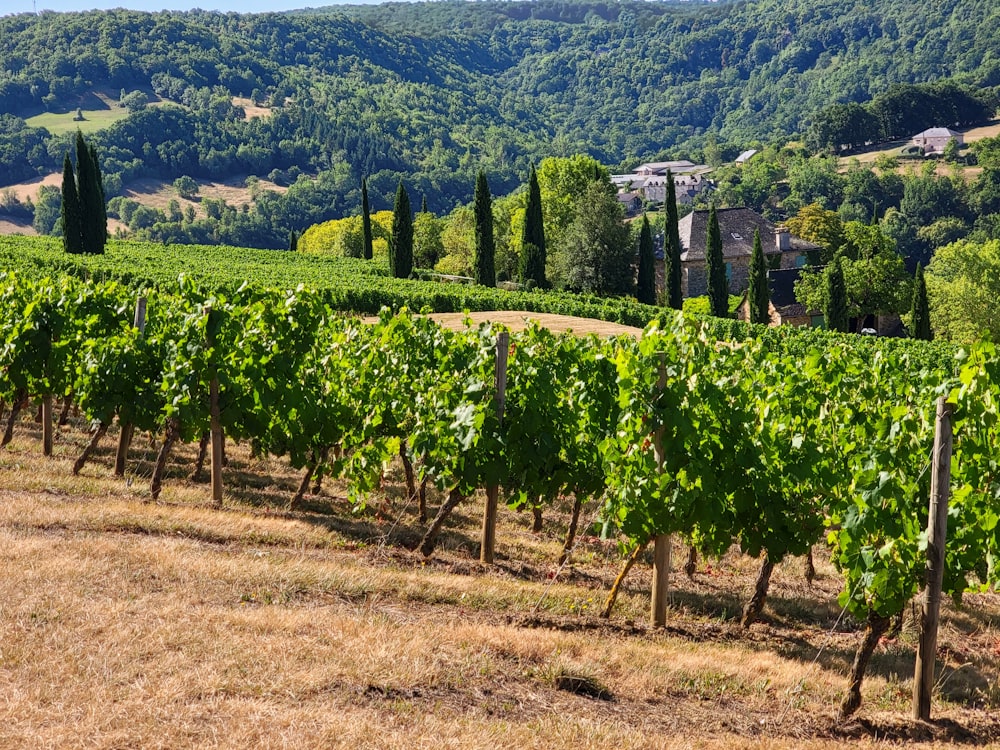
(484, 261)
(532, 261)
(920, 320)
(645, 290)
(366, 221)
(70, 214)
(672, 248)
(401, 246)
(758, 295)
(835, 309)
(715, 268)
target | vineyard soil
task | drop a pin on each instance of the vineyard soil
(125, 623)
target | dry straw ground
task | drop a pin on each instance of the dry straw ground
(130, 624)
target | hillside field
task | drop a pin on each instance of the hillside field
(128, 623)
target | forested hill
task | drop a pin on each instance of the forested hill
(433, 91)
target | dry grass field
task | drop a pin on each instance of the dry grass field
(125, 623)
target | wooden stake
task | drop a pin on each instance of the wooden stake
(661, 542)
(488, 544)
(125, 429)
(216, 429)
(217, 438)
(937, 532)
(47, 425)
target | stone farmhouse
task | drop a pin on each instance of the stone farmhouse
(781, 249)
(933, 140)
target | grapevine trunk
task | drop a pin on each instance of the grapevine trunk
(876, 626)
(99, 432)
(430, 538)
(616, 587)
(756, 604)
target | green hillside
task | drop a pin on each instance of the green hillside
(435, 91)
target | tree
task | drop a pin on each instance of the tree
(423, 204)
(672, 248)
(48, 210)
(366, 221)
(89, 188)
(71, 219)
(598, 256)
(715, 268)
(963, 286)
(484, 262)
(759, 293)
(293, 241)
(920, 320)
(645, 290)
(186, 187)
(102, 204)
(821, 227)
(835, 307)
(401, 245)
(427, 245)
(532, 265)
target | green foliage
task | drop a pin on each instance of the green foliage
(401, 242)
(715, 267)
(484, 256)
(835, 299)
(672, 271)
(759, 292)
(186, 187)
(533, 253)
(645, 290)
(920, 319)
(366, 222)
(71, 218)
(963, 284)
(598, 246)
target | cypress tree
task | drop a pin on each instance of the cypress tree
(401, 247)
(715, 268)
(366, 221)
(835, 310)
(88, 188)
(532, 261)
(293, 241)
(920, 319)
(423, 204)
(103, 219)
(70, 215)
(672, 248)
(645, 290)
(758, 294)
(484, 260)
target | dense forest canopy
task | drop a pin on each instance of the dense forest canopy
(432, 92)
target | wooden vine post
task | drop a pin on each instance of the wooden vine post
(937, 532)
(216, 427)
(47, 425)
(125, 430)
(661, 542)
(486, 549)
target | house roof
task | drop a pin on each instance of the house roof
(737, 226)
(746, 156)
(781, 283)
(938, 133)
(663, 166)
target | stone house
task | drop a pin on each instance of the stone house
(784, 309)
(933, 140)
(736, 225)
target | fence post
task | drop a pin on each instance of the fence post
(488, 544)
(937, 532)
(215, 425)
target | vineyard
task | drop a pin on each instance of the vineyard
(768, 445)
